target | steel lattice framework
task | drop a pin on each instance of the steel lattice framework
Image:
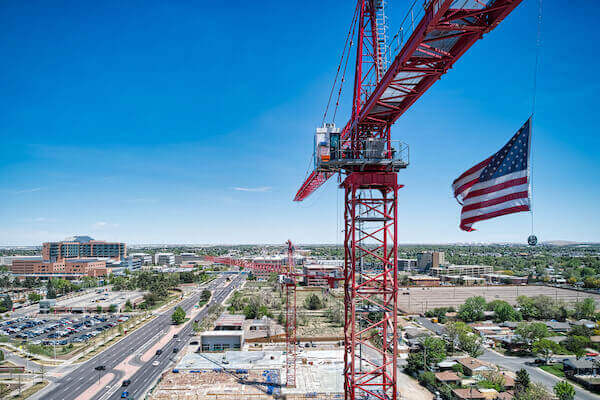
(446, 31)
(291, 346)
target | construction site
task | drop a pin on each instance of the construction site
(252, 375)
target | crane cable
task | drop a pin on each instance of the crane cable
(538, 46)
(345, 55)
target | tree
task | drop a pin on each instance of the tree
(472, 309)
(50, 291)
(178, 315)
(433, 351)
(6, 302)
(454, 330)
(34, 297)
(527, 307)
(531, 332)
(128, 305)
(545, 348)
(535, 391)
(493, 380)
(205, 296)
(564, 390)
(522, 381)
(427, 378)
(577, 345)
(471, 343)
(505, 312)
(585, 308)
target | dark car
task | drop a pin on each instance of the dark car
(127, 382)
(158, 352)
(175, 349)
(100, 368)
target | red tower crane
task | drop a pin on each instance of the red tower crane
(291, 347)
(364, 153)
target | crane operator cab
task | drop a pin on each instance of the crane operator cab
(331, 155)
(327, 143)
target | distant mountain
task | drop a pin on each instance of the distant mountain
(561, 243)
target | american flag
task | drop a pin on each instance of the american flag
(498, 185)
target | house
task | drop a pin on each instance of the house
(512, 343)
(508, 395)
(446, 365)
(448, 377)
(489, 394)
(490, 329)
(560, 327)
(509, 381)
(584, 366)
(585, 322)
(473, 366)
(468, 394)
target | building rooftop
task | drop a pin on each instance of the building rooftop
(472, 363)
(222, 333)
(230, 320)
(468, 393)
(447, 376)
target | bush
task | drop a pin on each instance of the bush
(313, 302)
(458, 368)
(427, 378)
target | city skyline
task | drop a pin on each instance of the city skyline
(120, 139)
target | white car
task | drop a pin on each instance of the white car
(156, 363)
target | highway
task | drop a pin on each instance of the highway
(76, 382)
(148, 373)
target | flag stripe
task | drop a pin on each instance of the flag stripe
(494, 188)
(474, 176)
(486, 210)
(495, 201)
(504, 211)
(474, 168)
(499, 193)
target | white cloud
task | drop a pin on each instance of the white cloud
(102, 225)
(256, 189)
(27, 190)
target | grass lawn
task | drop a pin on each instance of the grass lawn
(554, 369)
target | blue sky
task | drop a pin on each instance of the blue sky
(173, 122)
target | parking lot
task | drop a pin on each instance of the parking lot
(100, 298)
(62, 331)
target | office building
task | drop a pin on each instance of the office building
(469, 270)
(66, 268)
(83, 247)
(318, 274)
(164, 259)
(187, 258)
(407, 264)
(145, 259)
(430, 259)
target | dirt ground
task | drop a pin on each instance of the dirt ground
(422, 299)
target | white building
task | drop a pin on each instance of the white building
(145, 258)
(164, 259)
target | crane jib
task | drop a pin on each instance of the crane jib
(441, 37)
